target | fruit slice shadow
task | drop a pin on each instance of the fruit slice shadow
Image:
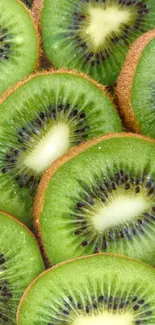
(93, 36)
(20, 263)
(39, 122)
(101, 199)
(102, 289)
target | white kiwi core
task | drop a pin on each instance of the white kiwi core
(105, 319)
(104, 21)
(54, 144)
(119, 210)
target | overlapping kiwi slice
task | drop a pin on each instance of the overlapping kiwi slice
(102, 289)
(136, 86)
(41, 120)
(20, 263)
(18, 43)
(94, 35)
(100, 197)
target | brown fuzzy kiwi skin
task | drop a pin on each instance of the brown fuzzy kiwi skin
(44, 61)
(125, 80)
(73, 152)
(127, 258)
(25, 228)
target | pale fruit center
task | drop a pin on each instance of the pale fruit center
(54, 144)
(120, 210)
(105, 319)
(103, 22)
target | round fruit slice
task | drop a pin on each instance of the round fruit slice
(136, 86)
(20, 263)
(39, 122)
(101, 289)
(99, 197)
(18, 43)
(93, 36)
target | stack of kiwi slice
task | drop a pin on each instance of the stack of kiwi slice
(77, 188)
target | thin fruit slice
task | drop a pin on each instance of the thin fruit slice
(20, 263)
(95, 290)
(41, 120)
(136, 86)
(93, 36)
(99, 197)
(18, 43)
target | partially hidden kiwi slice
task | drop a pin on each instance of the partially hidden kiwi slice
(20, 263)
(136, 86)
(96, 290)
(99, 197)
(93, 36)
(40, 121)
(18, 43)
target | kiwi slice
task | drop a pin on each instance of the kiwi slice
(100, 197)
(136, 86)
(99, 289)
(20, 263)
(41, 120)
(18, 43)
(93, 36)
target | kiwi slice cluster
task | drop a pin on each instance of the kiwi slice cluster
(91, 291)
(93, 35)
(41, 120)
(20, 263)
(67, 171)
(136, 86)
(18, 43)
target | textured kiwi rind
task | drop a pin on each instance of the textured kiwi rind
(125, 81)
(70, 262)
(49, 173)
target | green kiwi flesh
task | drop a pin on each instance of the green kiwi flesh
(101, 200)
(41, 120)
(99, 289)
(142, 96)
(18, 43)
(94, 36)
(20, 263)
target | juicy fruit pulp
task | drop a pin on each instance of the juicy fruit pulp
(20, 263)
(39, 122)
(98, 290)
(107, 205)
(18, 44)
(93, 36)
(136, 86)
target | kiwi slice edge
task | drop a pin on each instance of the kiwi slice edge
(50, 173)
(81, 266)
(125, 81)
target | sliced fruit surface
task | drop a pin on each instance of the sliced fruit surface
(94, 36)
(99, 289)
(18, 43)
(39, 122)
(136, 86)
(100, 199)
(20, 263)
